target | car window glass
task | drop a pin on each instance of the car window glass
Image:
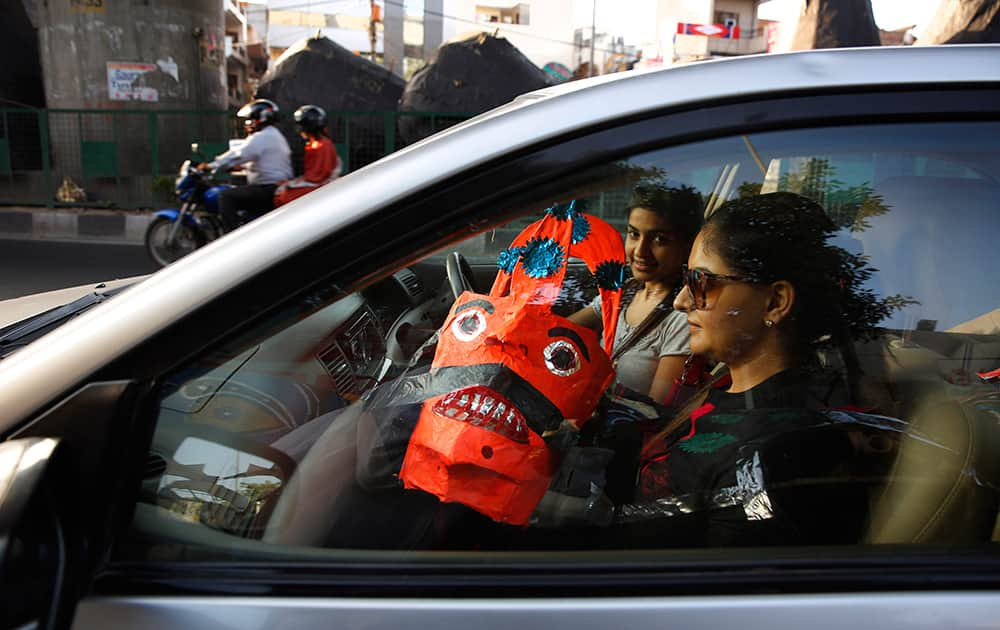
(303, 430)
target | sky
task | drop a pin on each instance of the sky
(889, 14)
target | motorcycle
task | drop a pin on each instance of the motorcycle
(176, 232)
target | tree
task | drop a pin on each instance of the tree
(847, 206)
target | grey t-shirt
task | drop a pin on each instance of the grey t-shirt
(637, 366)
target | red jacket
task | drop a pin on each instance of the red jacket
(322, 165)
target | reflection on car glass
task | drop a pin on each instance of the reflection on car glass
(443, 423)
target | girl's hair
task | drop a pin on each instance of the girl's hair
(680, 206)
(784, 236)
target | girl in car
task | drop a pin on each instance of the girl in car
(763, 290)
(651, 341)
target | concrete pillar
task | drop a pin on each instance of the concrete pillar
(433, 27)
(392, 43)
(186, 37)
(141, 56)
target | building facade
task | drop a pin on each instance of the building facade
(728, 28)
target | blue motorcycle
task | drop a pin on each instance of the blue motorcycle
(174, 233)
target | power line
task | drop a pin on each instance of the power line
(462, 20)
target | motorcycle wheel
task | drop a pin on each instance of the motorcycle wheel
(188, 239)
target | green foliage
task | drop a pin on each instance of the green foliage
(162, 185)
(749, 189)
(847, 206)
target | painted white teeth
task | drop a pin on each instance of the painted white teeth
(483, 410)
(487, 405)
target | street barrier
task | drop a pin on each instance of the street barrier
(128, 158)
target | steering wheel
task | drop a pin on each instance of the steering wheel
(459, 274)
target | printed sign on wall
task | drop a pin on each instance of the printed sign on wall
(87, 6)
(124, 82)
(709, 30)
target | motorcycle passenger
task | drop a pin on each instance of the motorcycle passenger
(322, 164)
(266, 157)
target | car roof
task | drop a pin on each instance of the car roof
(82, 346)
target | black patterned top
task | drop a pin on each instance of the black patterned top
(766, 466)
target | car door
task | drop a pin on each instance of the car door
(230, 488)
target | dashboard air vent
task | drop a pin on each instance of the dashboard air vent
(411, 284)
(339, 368)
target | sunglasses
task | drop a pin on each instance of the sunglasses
(697, 282)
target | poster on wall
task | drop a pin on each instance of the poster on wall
(124, 82)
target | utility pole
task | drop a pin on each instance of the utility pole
(593, 39)
(372, 20)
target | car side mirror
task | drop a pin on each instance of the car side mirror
(33, 540)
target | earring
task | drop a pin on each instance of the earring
(768, 323)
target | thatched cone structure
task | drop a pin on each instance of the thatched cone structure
(467, 76)
(963, 22)
(319, 72)
(835, 24)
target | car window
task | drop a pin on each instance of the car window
(421, 413)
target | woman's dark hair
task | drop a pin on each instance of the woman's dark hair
(680, 206)
(784, 236)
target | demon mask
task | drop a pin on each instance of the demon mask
(514, 371)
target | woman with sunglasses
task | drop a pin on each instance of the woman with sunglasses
(763, 290)
(651, 340)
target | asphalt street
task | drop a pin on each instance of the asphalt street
(28, 267)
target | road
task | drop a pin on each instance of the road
(28, 267)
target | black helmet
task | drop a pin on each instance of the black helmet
(259, 114)
(311, 119)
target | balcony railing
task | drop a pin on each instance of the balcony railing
(741, 46)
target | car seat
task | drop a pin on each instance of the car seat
(942, 487)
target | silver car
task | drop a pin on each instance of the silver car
(210, 446)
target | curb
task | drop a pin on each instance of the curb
(79, 225)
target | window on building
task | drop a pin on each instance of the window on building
(503, 14)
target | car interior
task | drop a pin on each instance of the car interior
(259, 444)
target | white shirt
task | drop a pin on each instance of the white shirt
(267, 156)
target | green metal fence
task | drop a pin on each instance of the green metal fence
(127, 158)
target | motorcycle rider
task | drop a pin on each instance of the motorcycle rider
(322, 164)
(266, 157)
